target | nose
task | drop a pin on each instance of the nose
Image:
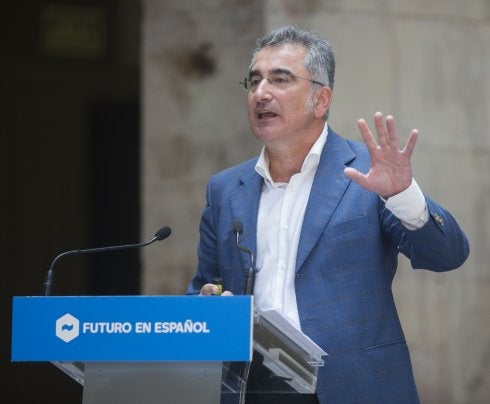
(262, 92)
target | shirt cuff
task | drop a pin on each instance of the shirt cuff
(409, 207)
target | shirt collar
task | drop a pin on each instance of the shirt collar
(311, 161)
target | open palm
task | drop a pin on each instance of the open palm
(391, 169)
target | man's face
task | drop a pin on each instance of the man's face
(281, 114)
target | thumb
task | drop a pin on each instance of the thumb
(355, 175)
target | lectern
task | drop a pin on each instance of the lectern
(163, 349)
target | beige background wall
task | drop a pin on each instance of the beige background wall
(425, 62)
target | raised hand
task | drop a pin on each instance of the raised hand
(391, 169)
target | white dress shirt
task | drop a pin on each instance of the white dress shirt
(280, 218)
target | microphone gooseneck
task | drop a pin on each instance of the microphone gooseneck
(250, 280)
(161, 234)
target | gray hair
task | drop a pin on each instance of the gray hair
(319, 60)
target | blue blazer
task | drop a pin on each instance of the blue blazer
(346, 261)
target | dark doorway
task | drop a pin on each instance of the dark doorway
(69, 163)
(115, 198)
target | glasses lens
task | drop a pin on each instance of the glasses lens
(254, 81)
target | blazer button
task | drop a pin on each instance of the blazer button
(438, 219)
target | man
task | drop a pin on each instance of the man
(326, 236)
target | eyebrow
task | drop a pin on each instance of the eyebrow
(279, 70)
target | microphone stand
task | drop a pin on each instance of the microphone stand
(248, 290)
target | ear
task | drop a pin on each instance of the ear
(323, 98)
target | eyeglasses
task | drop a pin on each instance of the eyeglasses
(278, 80)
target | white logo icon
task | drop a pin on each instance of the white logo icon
(67, 327)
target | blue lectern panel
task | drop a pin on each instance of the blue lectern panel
(126, 328)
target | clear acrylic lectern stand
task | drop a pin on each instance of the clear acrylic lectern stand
(288, 359)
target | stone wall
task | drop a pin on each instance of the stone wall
(194, 120)
(427, 63)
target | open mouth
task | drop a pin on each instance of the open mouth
(266, 115)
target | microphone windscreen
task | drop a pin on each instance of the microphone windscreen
(238, 227)
(163, 233)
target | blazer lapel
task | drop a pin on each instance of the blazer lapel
(327, 190)
(245, 206)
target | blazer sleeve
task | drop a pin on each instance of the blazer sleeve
(440, 245)
(207, 248)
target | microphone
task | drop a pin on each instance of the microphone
(161, 234)
(249, 283)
